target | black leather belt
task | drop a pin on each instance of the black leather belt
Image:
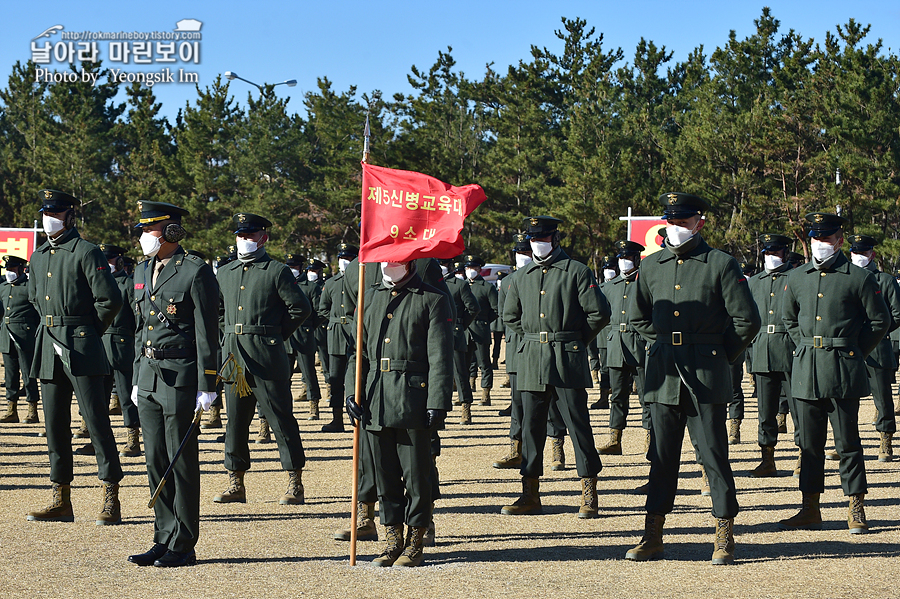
(167, 354)
(818, 341)
(255, 329)
(775, 328)
(67, 321)
(549, 337)
(679, 338)
(389, 365)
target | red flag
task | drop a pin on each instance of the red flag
(408, 215)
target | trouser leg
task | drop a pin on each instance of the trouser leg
(11, 373)
(645, 409)
(707, 425)
(667, 434)
(515, 419)
(57, 407)
(94, 406)
(237, 429)
(880, 381)
(495, 348)
(461, 361)
(844, 416)
(768, 393)
(535, 409)
(573, 407)
(403, 468)
(812, 416)
(336, 378)
(308, 368)
(130, 415)
(368, 490)
(483, 358)
(620, 383)
(274, 399)
(556, 425)
(736, 405)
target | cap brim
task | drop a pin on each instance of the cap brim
(823, 232)
(248, 230)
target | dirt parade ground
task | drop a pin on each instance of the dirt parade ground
(263, 549)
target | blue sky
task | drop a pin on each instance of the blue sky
(373, 45)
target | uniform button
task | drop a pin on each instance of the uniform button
(150, 327)
(246, 267)
(823, 274)
(49, 274)
(423, 384)
(543, 292)
(624, 297)
(81, 333)
(680, 261)
(152, 298)
(820, 295)
(545, 271)
(342, 305)
(240, 307)
(818, 318)
(677, 313)
(47, 297)
(148, 344)
(242, 286)
(52, 251)
(152, 313)
(773, 278)
(677, 286)
(393, 294)
(623, 312)
(121, 341)
(771, 312)
(542, 314)
(772, 294)
(851, 354)
(387, 339)
(713, 352)
(390, 316)
(575, 347)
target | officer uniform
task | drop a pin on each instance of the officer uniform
(17, 330)
(467, 309)
(694, 308)
(77, 299)
(556, 307)
(771, 351)
(118, 341)
(176, 344)
(337, 312)
(836, 316)
(478, 334)
(304, 338)
(408, 335)
(881, 364)
(261, 305)
(625, 350)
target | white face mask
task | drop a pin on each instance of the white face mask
(312, 275)
(460, 276)
(609, 274)
(821, 250)
(393, 272)
(541, 249)
(343, 263)
(625, 265)
(678, 235)
(215, 269)
(772, 262)
(471, 273)
(150, 244)
(11, 276)
(444, 270)
(860, 260)
(295, 272)
(112, 267)
(245, 246)
(522, 260)
(52, 226)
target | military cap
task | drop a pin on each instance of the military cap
(861, 243)
(628, 248)
(502, 275)
(315, 264)
(345, 250)
(747, 268)
(154, 212)
(823, 224)
(474, 261)
(10, 261)
(795, 258)
(129, 261)
(540, 226)
(111, 251)
(56, 201)
(197, 253)
(294, 260)
(774, 242)
(520, 243)
(250, 223)
(682, 205)
(609, 262)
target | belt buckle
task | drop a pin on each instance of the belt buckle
(623, 327)
(48, 320)
(150, 353)
(343, 320)
(385, 365)
(676, 338)
(6, 319)
(239, 328)
(817, 341)
(770, 329)
(543, 336)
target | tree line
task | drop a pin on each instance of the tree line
(764, 127)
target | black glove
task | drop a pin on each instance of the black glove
(434, 418)
(354, 411)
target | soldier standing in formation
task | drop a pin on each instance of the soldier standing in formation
(467, 309)
(625, 351)
(881, 364)
(479, 332)
(17, 330)
(599, 365)
(408, 335)
(694, 307)
(836, 316)
(261, 306)
(304, 339)
(556, 307)
(176, 346)
(214, 417)
(77, 299)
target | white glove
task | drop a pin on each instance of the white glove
(204, 400)
(134, 392)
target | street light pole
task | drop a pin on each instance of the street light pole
(231, 76)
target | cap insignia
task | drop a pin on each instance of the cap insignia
(48, 194)
(819, 218)
(534, 222)
(672, 198)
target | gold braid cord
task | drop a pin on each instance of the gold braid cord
(240, 386)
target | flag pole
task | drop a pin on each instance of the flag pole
(358, 387)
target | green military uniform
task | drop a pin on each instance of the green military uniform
(555, 306)
(836, 316)
(408, 336)
(261, 306)
(467, 309)
(693, 306)
(77, 299)
(497, 326)
(335, 310)
(597, 349)
(881, 364)
(772, 349)
(317, 268)
(118, 342)
(304, 338)
(625, 348)
(478, 333)
(175, 360)
(17, 331)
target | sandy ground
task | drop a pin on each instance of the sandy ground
(262, 548)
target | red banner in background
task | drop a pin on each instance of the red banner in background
(17, 242)
(645, 231)
(408, 215)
